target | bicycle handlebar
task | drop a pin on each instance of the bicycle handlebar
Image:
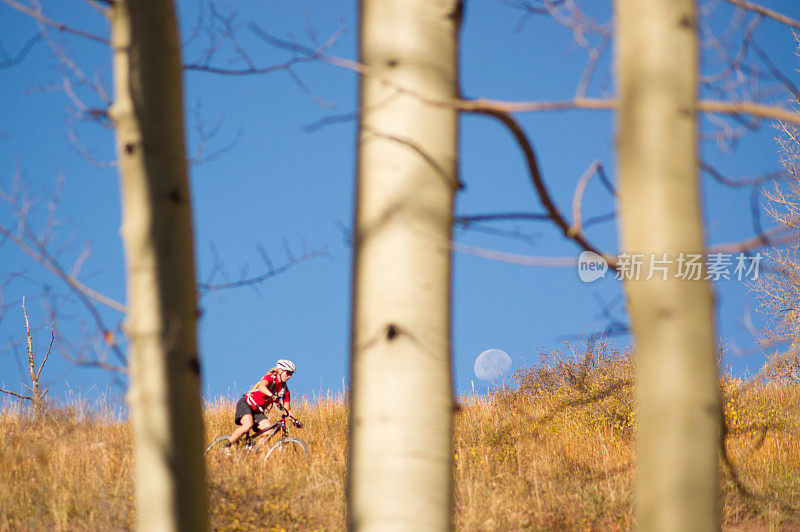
(297, 422)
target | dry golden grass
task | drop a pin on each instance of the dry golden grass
(67, 471)
(554, 453)
(247, 494)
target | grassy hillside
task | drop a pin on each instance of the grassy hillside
(555, 453)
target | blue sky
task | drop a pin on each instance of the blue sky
(277, 183)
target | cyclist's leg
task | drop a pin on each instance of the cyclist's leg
(261, 421)
(244, 418)
(245, 422)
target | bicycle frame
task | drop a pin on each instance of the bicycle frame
(273, 429)
(255, 439)
(253, 434)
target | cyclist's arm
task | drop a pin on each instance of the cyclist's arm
(286, 407)
(287, 401)
(262, 387)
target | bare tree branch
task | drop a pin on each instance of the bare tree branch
(736, 478)
(761, 10)
(36, 395)
(467, 220)
(60, 26)
(36, 247)
(775, 71)
(595, 54)
(528, 238)
(577, 198)
(739, 182)
(257, 279)
(514, 258)
(205, 135)
(773, 236)
(15, 394)
(441, 172)
(733, 64)
(45, 259)
(777, 235)
(771, 112)
(26, 48)
(49, 349)
(488, 106)
(307, 55)
(501, 216)
(538, 182)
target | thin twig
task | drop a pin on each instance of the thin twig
(43, 257)
(761, 10)
(539, 185)
(47, 354)
(272, 272)
(15, 394)
(60, 26)
(26, 48)
(738, 182)
(514, 258)
(577, 198)
(492, 107)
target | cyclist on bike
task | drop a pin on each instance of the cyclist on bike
(254, 405)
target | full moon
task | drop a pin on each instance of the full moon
(492, 364)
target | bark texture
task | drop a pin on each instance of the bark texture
(677, 393)
(401, 385)
(164, 391)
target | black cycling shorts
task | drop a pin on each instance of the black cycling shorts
(242, 409)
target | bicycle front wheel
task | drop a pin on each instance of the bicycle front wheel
(287, 450)
(217, 444)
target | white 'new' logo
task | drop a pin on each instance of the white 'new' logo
(591, 267)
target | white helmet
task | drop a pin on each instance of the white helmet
(286, 365)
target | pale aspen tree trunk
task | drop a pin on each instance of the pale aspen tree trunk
(401, 399)
(677, 394)
(164, 394)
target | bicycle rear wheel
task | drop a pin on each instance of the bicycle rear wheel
(287, 450)
(217, 444)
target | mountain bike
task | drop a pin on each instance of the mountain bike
(260, 441)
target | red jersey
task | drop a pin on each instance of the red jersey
(259, 400)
